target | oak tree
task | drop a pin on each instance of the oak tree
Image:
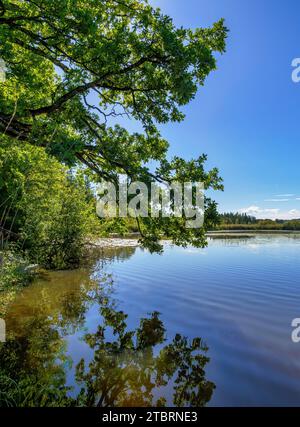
(74, 68)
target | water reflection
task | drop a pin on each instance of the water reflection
(98, 255)
(125, 370)
(232, 240)
(102, 257)
(127, 367)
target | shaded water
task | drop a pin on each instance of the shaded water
(238, 295)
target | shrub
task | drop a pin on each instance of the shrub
(14, 274)
(45, 205)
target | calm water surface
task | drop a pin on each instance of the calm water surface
(239, 295)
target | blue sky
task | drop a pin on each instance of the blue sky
(246, 118)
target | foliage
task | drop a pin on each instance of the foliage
(126, 367)
(237, 221)
(126, 371)
(14, 274)
(236, 218)
(13, 269)
(75, 67)
(32, 370)
(119, 226)
(46, 208)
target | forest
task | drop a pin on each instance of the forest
(242, 221)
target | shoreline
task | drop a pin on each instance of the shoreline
(131, 239)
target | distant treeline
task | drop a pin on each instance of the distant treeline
(241, 221)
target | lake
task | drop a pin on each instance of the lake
(134, 318)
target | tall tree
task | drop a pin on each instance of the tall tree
(72, 66)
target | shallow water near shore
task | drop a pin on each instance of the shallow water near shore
(238, 295)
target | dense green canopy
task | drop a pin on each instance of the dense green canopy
(63, 55)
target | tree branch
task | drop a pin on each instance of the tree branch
(38, 51)
(87, 86)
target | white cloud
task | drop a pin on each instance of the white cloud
(253, 210)
(284, 195)
(295, 212)
(261, 213)
(277, 200)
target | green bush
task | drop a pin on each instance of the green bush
(14, 274)
(45, 205)
(14, 271)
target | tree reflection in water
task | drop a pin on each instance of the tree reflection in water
(125, 371)
(128, 367)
